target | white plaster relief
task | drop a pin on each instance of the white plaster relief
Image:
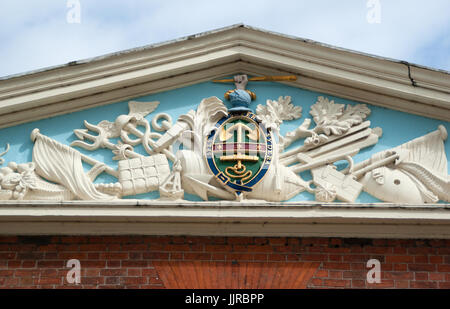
(339, 134)
(415, 172)
(2, 160)
(20, 182)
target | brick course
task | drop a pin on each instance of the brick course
(244, 262)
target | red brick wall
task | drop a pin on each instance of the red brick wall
(222, 262)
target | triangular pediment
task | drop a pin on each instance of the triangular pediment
(152, 127)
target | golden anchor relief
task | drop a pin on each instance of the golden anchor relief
(239, 170)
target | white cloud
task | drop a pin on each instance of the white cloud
(35, 34)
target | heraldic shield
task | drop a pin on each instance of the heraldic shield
(239, 151)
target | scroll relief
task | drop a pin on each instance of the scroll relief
(233, 154)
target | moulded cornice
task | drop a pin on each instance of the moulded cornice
(236, 49)
(140, 217)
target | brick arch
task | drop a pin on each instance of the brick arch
(234, 275)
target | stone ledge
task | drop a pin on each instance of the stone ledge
(138, 217)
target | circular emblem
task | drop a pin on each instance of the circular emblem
(239, 151)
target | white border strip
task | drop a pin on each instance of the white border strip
(225, 219)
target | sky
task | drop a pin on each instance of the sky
(36, 34)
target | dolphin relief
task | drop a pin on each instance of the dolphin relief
(199, 154)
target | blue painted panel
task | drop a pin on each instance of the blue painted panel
(398, 127)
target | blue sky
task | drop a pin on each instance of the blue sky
(35, 34)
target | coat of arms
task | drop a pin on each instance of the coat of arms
(239, 151)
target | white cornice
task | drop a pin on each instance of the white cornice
(236, 49)
(139, 217)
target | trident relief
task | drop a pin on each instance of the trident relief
(233, 154)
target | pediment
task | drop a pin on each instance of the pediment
(146, 136)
